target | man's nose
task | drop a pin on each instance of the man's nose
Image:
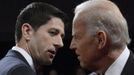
(72, 45)
(59, 43)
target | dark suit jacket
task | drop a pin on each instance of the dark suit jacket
(15, 64)
(129, 67)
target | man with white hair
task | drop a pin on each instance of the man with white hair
(100, 38)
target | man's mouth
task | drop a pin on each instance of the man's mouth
(52, 53)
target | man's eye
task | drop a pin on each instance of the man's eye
(76, 37)
(52, 33)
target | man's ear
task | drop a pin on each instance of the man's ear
(102, 39)
(27, 31)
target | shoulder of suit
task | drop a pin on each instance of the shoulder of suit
(20, 70)
(10, 63)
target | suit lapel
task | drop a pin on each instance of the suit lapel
(128, 69)
(16, 54)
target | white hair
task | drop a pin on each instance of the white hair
(105, 15)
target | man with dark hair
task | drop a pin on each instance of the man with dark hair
(38, 34)
(100, 38)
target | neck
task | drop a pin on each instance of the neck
(23, 44)
(107, 60)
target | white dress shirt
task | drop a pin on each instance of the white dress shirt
(118, 65)
(93, 73)
(25, 55)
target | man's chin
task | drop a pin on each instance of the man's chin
(84, 66)
(44, 62)
(49, 62)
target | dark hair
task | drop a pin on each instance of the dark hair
(37, 14)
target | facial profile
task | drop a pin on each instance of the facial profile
(99, 36)
(45, 42)
(87, 41)
(84, 44)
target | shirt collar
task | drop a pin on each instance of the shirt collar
(117, 67)
(25, 55)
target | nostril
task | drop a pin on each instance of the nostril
(58, 46)
(72, 46)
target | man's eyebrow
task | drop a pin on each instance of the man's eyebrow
(54, 28)
(57, 30)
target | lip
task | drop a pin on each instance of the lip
(78, 57)
(52, 53)
(77, 53)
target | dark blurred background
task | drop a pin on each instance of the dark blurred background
(65, 62)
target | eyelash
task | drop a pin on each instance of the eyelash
(52, 33)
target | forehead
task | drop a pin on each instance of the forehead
(78, 24)
(55, 23)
